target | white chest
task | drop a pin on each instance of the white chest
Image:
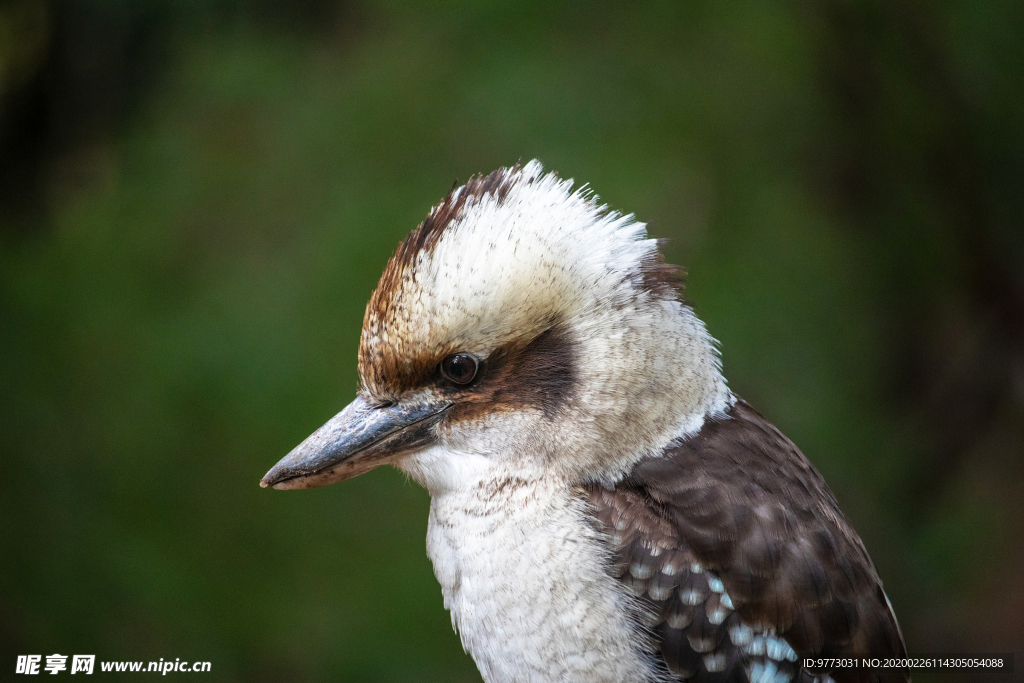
(523, 576)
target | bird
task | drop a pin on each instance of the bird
(603, 506)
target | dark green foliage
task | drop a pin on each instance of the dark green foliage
(197, 202)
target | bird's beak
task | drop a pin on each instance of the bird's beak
(354, 441)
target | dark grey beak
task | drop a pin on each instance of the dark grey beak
(354, 441)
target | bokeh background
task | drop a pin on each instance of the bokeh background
(196, 200)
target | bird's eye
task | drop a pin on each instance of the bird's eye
(459, 368)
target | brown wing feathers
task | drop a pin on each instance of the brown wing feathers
(690, 621)
(738, 508)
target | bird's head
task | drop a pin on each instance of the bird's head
(523, 329)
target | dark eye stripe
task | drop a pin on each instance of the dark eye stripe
(459, 368)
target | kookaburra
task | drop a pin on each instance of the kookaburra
(603, 507)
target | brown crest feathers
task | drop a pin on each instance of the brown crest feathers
(663, 280)
(496, 184)
(381, 367)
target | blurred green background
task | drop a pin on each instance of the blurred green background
(196, 200)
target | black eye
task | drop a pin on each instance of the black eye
(459, 368)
